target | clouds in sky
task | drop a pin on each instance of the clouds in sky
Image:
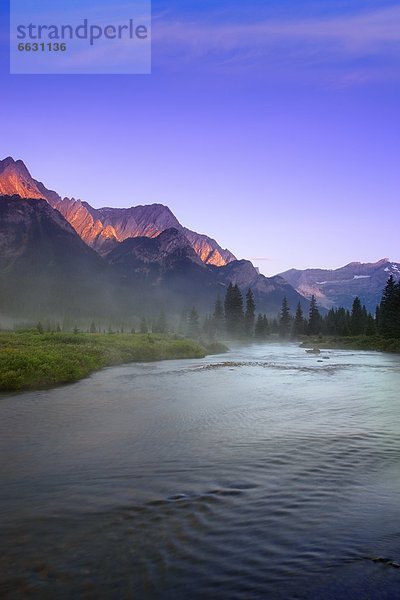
(358, 47)
(303, 43)
(283, 110)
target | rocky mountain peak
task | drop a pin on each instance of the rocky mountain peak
(17, 165)
(103, 228)
(16, 179)
(143, 220)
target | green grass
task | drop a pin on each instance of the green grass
(362, 342)
(30, 360)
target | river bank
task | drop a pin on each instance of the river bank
(31, 360)
(362, 342)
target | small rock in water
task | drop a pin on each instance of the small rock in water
(386, 561)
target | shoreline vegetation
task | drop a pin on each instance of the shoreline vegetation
(33, 360)
(361, 342)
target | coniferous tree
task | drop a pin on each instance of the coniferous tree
(238, 309)
(249, 317)
(377, 316)
(387, 313)
(346, 320)
(92, 327)
(330, 325)
(234, 317)
(314, 318)
(298, 323)
(284, 319)
(357, 318)
(266, 326)
(365, 314)
(342, 322)
(397, 310)
(395, 318)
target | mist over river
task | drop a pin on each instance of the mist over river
(266, 472)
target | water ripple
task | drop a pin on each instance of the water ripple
(269, 475)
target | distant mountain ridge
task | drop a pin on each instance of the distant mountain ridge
(144, 257)
(103, 228)
(169, 244)
(339, 287)
(169, 259)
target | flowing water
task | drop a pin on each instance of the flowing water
(263, 473)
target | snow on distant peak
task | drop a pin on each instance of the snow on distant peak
(393, 268)
(362, 276)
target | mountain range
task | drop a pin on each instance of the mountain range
(339, 287)
(103, 228)
(62, 255)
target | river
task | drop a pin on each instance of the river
(266, 472)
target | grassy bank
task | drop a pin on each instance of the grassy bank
(362, 342)
(31, 360)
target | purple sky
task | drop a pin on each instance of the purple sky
(274, 130)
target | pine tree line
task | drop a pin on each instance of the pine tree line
(337, 322)
(388, 312)
(341, 322)
(235, 317)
